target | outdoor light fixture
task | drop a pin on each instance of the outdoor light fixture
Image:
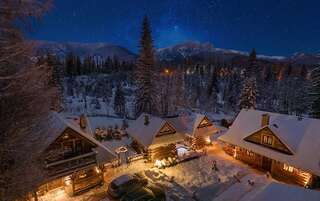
(235, 153)
(67, 180)
(208, 140)
(98, 171)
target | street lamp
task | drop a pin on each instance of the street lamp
(167, 71)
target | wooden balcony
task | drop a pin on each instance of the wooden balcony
(67, 166)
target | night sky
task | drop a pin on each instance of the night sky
(273, 27)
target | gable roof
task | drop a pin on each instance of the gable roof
(94, 122)
(146, 134)
(284, 148)
(57, 124)
(188, 124)
(302, 136)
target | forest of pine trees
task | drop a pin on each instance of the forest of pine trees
(315, 93)
(207, 84)
(74, 65)
(210, 86)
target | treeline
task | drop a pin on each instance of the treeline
(73, 65)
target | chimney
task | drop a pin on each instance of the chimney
(146, 120)
(83, 121)
(265, 120)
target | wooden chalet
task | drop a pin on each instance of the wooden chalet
(154, 136)
(73, 159)
(286, 146)
(197, 127)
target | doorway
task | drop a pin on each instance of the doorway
(266, 164)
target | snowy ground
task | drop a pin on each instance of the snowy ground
(192, 180)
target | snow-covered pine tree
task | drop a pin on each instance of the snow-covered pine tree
(267, 90)
(213, 90)
(119, 104)
(248, 97)
(252, 69)
(315, 93)
(248, 94)
(145, 74)
(233, 90)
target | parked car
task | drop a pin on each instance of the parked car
(146, 193)
(126, 184)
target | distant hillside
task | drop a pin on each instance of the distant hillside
(101, 50)
(176, 53)
(208, 51)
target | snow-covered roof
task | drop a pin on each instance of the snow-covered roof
(146, 133)
(57, 124)
(94, 122)
(188, 124)
(301, 136)
(280, 192)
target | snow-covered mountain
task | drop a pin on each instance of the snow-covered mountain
(102, 50)
(197, 49)
(305, 58)
(179, 52)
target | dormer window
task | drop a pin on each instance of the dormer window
(267, 139)
(288, 168)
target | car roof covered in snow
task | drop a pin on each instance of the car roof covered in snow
(280, 192)
(122, 179)
(145, 134)
(57, 124)
(188, 124)
(300, 135)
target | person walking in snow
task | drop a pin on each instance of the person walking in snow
(214, 166)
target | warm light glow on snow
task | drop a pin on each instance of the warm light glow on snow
(67, 180)
(97, 170)
(208, 140)
(166, 71)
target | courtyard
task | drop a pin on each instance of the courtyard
(213, 176)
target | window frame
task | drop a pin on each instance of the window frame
(288, 168)
(267, 140)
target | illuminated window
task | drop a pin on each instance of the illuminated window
(205, 123)
(287, 168)
(267, 139)
(249, 153)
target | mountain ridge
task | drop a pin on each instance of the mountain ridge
(175, 52)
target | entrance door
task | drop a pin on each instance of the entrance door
(266, 164)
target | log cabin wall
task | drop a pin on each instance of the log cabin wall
(279, 171)
(68, 152)
(229, 149)
(162, 152)
(249, 157)
(69, 144)
(70, 156)
(289, 174)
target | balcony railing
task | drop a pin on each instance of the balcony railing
(68, 165)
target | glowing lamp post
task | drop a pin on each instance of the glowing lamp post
(167, 73)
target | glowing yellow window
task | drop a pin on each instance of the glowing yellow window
(267, 140)
(288, 167)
